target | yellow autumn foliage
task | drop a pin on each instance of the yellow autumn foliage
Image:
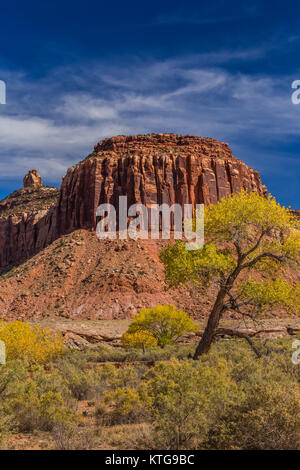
(243, 232)
(30, 342)
(138, 339)
(159, 325)
(267, 293)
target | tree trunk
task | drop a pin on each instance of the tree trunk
(215, 315)
(212, 324)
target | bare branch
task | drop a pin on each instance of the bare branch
(278, 258)
(263, 233)
(240, 334)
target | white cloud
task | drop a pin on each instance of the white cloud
(49, 127)
(85, 107)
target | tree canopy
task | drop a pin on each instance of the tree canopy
(244, 233)
(160, 325)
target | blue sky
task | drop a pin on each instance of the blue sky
(77, 72)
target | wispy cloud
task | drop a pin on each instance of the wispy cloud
(50, 126)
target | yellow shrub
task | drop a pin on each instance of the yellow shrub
(138, 340)
(163, 324)
(32, 343)
(125, 405)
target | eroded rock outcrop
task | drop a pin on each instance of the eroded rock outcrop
(25, 219)
(32, 179)
(158, 168)
(152, 169)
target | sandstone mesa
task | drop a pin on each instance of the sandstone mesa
(150, 169)
(52, 262)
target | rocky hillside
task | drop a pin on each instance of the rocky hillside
(79, 277)
(20, 216)
(28, 201)
(158, 168)
(52, 262)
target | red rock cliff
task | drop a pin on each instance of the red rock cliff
(160, 168)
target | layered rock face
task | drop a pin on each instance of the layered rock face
(151, 169)
(25, 216)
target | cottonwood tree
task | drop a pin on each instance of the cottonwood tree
(245, 234)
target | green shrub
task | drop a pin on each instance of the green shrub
(227, 400)
(268, 418)
(78, 379)
(32, 411)
(68, 436)
(125, 405)
(184, 398)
